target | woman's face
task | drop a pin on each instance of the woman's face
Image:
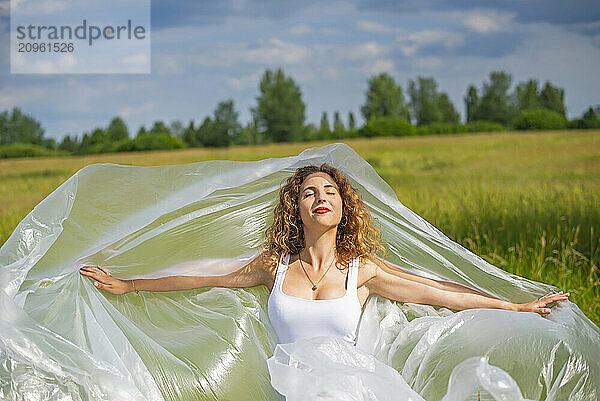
(317, 191)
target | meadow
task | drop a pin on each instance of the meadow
(527, 202)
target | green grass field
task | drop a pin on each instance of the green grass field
(526, 202)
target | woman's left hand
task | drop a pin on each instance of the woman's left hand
(539, 306)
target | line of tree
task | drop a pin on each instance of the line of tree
(279, 116)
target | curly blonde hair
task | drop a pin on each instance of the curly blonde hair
(356, 233)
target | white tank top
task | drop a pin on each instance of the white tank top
(293, 318)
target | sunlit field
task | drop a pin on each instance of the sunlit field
(526, 202)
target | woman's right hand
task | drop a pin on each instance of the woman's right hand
(104, 281)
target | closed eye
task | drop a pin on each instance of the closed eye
(328, 193)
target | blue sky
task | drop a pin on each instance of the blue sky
(205, 52)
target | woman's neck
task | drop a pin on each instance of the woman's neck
(319, 250)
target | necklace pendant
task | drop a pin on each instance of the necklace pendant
(314, 287)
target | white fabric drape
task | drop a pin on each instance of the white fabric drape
(60, 338)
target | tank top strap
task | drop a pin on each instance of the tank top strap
(284, 259)
(353, 276)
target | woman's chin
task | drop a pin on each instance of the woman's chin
(323, 223)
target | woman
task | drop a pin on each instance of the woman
(318, 261)
(322, 222)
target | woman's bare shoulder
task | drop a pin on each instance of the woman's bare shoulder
(369, 264)
(267, 266)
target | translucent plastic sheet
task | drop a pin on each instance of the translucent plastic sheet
(61, 338)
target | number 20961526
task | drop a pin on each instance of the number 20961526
(27, 47)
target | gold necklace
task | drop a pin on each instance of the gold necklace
(314, 287)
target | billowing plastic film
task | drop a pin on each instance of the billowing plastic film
(62, 339)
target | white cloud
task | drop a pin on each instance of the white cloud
(380, 65)
(121, 86)
(63, 63)
(17, 61)
(243, 82)
(332, 72)
(274, 51)
(428, 63)
(591, 29)
(166, 64)
(21, 95)
(239, 5)
(486, 21)
(364, 59)
(329, 31)
(412, 43)
(129, 111)
(139, 59)
(371, 26)
(67, 61)
(30, 63)
(366, 50)
(300, 29)
(302, 75)
(44, 67)
(4, 8)
(38, 7)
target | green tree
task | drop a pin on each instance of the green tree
(447, 111)
(540, 119)
(280, 111)
(224, 128)
(95, 142)
(49, 143)
(176, 127)
(204, 131)
(149, 141)
(387, 126)
(157, 138)
(69, 144)
(591, 116)
(589, 119)
(424, 101)
(471, 103)
(250, 134)
(527, 95)
(17, 126)
(495, 104)
(190, 135)
(324, 128)
(553, 98)
(351, 122)
(339, 131)
(117, 130)
(428, 105)
(159, 127)
(384, 99)
(7, 135)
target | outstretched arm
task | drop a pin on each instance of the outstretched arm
(442, 285)
(403, 289)
(249, 275)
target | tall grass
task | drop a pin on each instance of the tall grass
(526, 202)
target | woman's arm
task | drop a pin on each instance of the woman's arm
(249, 275)
(401, 289)
(442, 285)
